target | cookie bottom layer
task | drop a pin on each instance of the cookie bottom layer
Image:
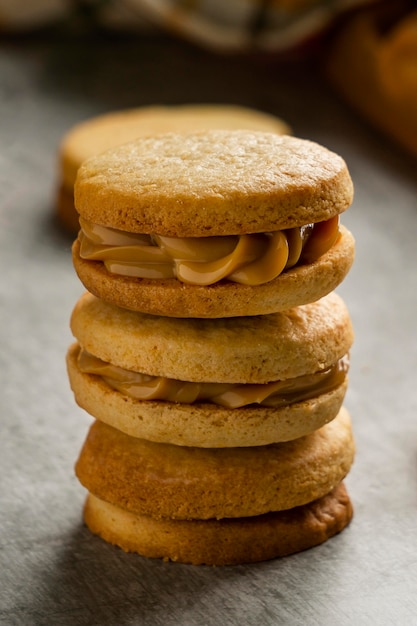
(202, 425)
(222, 542)
(169, 297)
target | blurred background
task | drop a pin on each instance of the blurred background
(139, 51)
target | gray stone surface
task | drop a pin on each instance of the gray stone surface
(52, 571)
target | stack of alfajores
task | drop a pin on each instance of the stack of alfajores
(211, 348)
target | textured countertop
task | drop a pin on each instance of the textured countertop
(52, 570)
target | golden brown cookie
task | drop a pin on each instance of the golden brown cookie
(245, 350)
(212, 183)
(213, 224)
(163, 480)
(109, 130)
(226, 541)
(211, 383)
(201, 424)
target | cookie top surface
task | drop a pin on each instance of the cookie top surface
(103, 132)
(255, 349)
(215, 182)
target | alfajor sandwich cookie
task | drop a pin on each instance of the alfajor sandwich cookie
(213, 224)
(100, 133)
(246, 381)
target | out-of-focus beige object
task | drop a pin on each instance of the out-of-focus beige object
(235, 25)
(373, 64)
(110, 130)
(21, 15)
(245, 25)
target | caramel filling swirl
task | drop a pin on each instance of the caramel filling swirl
(232, 396)
(252, 259)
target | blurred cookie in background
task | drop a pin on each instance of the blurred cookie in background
(372, 62)
(103, 132)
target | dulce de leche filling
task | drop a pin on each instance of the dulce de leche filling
(252, 259)
(232, 396)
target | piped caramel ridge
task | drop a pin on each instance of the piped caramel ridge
(275, 394)
(250, 259)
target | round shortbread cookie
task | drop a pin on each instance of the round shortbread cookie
(213, 183)
(222, 542)
(110, 130)
(103, 132)
(256, 349)
(204, 425)
(208, 185)
(179, 482)
(169, 297)
(253, 350)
